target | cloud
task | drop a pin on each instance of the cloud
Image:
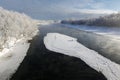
(57, 9)
(89, 4)
(97, 11)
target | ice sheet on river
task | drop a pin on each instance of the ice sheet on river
(69, 46)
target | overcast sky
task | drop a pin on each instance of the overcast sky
(62, 9)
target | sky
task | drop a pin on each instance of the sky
(62, 9)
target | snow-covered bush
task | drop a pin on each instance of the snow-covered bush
(14, 26)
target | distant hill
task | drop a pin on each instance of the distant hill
(112, 20)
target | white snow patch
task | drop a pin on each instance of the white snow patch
(67, 45)
(10, 58)
(45, 22)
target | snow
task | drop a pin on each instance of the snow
(45, 22)
(15, 30)
(14, 26)
(10, 58)
(69, 46)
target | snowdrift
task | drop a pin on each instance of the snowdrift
(14, 26)
(69, 46)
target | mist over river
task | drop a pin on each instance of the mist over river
(105, 30)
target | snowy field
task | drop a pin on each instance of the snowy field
(69, 46)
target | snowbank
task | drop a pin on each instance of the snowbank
(15, 30)
(11, 58)
(69, 46)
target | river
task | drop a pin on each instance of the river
(42, 64)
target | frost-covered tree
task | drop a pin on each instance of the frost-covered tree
(112, 20)
(14, 25)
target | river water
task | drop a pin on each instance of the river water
(110, 31)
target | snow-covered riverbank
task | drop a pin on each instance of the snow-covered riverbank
(11, 58)
(15, 30)
(67, 45)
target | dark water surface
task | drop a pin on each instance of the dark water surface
(42, 64)
(114, 31)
